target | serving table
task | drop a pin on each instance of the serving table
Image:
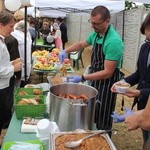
(52, 72)
(14, 134)
(44, 63)
(40, 45)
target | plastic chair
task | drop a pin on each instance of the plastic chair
(76, 56)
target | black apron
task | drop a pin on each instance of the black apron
(105, 102)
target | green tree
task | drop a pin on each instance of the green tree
(130, 5)
(147, 5)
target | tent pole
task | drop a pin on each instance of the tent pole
(123, 24)
(35, 25)
(25, 46)
(123, 30)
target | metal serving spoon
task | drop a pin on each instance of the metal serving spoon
(73, 144)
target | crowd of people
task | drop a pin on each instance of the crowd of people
(54, 31)
(104, 72)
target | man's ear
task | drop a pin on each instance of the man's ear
(108, 20)
(1, 24)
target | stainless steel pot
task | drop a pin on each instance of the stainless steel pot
(72, 114)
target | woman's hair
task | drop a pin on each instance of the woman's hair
(6, 17)
(56, 26)
(19, 15)
(21, 26)
(102, 10)
(145, 24)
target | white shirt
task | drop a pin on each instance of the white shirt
(56, 37)
(19, 35)
(6, 67)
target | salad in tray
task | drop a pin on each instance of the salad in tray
(49, 60)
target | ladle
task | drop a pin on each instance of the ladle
(73, 144)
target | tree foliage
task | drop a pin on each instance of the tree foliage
(132, 5)
(147, 5)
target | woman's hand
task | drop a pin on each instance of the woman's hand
(113, 86)
(17, 61)
(120, 118)
(132, 122)
(132, 93)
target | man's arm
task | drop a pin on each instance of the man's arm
(77, 46)
(109, 68)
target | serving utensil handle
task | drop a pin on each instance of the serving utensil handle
(99, 132)
(79, 104)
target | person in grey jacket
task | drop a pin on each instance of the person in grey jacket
(141, 76)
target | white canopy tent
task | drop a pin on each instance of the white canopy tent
(54, 8)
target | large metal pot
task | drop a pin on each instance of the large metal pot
(71, 114)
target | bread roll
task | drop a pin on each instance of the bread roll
(37, 92)
(21, 93)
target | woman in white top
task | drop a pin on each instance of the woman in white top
(7, 68)
(57, 36)
(18, 33)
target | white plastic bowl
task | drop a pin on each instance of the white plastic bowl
(30, 86)
(122, 87)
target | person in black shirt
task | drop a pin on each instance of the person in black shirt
(12, 46)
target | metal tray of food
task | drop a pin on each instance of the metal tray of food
(53, 80)
(55, 135)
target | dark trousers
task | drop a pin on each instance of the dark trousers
(6, 104)
(23, 83)
(4, 110)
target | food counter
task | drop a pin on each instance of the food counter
(14, 134)
(40, 45)
(45, 62)
(14, 130)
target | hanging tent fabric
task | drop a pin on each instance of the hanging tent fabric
(56, 8)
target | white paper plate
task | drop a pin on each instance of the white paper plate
(45, 86)
(30, 86)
